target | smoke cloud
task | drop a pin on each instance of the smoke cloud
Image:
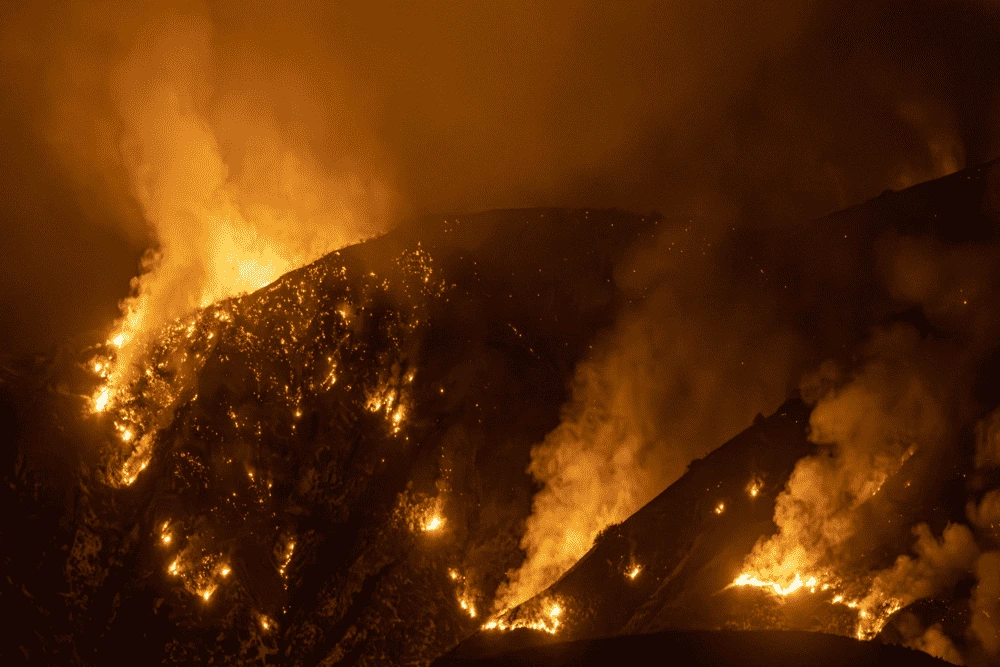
(390, 110)
(868, 425)
(674, 378)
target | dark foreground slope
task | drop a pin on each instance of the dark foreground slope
(708, 649)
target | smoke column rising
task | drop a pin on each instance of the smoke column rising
(217, 233)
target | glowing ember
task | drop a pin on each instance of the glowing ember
(634, 572)
(754, 487)
(286, 557)
(434, 523)
(720, 508)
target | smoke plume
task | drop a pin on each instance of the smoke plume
(675, 377)
(868, 427)
(219, 230)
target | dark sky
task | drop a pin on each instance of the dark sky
(755, 112)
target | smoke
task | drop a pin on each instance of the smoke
(675, 377)
(984, 627)
(868, 426)
(685, 107)
(985, 603)
(689, 368)
(935, 642)
(221, 224)
(938, 566)
(887, 431)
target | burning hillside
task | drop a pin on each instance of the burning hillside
(360, 333)
(300, 474)
(459, 433)
(861, 511)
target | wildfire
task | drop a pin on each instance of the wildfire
(872, 614)
(547, 620)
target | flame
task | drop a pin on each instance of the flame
(468, 607)
(546, 619)
(286, 557)
(797, 583)
(101, 399)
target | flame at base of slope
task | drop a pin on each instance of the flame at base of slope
(543, 616)
(872, 611)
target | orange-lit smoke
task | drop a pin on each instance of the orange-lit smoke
(670, 382)
(868, 427)
(221, 226)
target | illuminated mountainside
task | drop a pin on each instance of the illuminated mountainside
(294, 473)
(331, 470)
(688, 560)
